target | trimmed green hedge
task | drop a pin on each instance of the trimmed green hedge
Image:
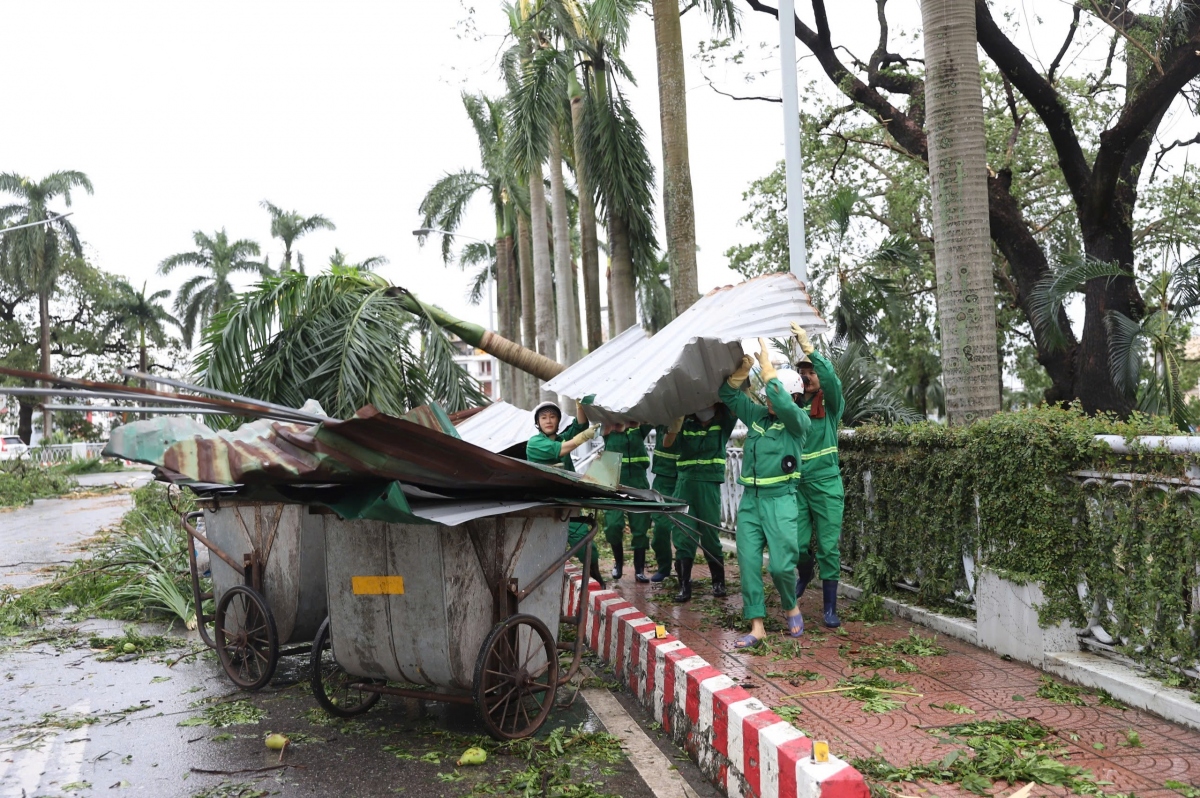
(911, 512)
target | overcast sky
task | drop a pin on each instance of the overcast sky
(185, 116)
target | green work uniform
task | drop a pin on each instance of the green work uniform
(820, 485)
(631, 444)
(663, 468)
(768, 511)
(547, 450)
(701, 467)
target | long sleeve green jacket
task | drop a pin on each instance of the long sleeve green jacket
(773, 442)
(548, 451)
(820, 458)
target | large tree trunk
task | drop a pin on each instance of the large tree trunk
(528, 322)
(44, 319)
(507, 312)
(588, 245)
(543, 275)
(958, 177)
(25, 421)
(678, 207)
(564, 275)
(622, 296)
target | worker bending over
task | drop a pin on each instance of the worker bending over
(630, 442)
(552, 448)
(820, 484)
(663, 468)
(768, 514)
(702, 437)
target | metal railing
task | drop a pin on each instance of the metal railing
(64, 452)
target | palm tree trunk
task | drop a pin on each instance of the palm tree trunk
(543, 274)
(528, 322)
(564, 275)
(44, 320)
(508, 312)
(622, 294)
(678, 206)
(961, 232)
(25, 421)
(588, 244)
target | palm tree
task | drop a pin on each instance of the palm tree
(287, 226)
(678, 205)
(203, 296)
(589, 245)
(340, 337)
(135, 313)
(961, 227)
(446, 201)
(30, 257)
(338, 260)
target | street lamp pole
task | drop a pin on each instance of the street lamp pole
(35, 224)
(422, 231)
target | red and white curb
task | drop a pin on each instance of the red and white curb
(742, 747)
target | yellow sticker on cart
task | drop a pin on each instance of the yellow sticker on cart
(820, 751)
(377, 585)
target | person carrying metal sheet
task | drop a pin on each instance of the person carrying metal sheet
(820, 485)
(550, 447)
(630, 442)
(701, 472)
(768, 514)
(663, 468)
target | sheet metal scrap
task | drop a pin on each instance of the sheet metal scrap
(499, 427)
(635, 377)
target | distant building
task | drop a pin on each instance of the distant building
(1191, 351)
(479, 364)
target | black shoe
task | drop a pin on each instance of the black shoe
(684, 569)
(619, 554)
(639, 565)
(718, 578)
(594, 573)
(831, 619)
(806, 574)
(660, 574)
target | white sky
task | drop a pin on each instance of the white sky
(185, 116)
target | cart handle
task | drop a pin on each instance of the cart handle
(557, 567)
(208, 544)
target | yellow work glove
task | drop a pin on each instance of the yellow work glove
(765, 369)
(585, 436)
(801, 336)
(676, 425)
(741, 373)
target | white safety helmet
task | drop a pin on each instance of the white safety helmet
(792, 383)
(546, 406)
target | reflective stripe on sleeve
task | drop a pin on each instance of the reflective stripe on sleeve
(821, 453)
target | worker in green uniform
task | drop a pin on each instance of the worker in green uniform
(701, 470)
(630, 442)
(550, 447)
(663, 468)
(768, 514)
(820, 484)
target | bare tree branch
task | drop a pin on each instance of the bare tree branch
(713, 86)
(1164, 150)
(1066, 43)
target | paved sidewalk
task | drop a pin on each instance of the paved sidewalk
(1093, 736)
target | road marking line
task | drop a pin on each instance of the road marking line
(663, 779)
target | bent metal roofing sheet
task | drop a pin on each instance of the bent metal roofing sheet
(636, 377)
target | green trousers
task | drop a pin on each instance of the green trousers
(766, 521)
(704, 502)
(639, 528)
(661, 542)
(822, 524)
(576, 532)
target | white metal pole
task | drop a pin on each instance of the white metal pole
(791, 139)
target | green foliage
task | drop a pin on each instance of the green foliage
(1034, 521)
(232, 713)
(874, 692)
(130, 642)
(21, 481)
(1060, 693)
(204, 295)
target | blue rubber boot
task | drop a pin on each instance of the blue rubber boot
(831, 619)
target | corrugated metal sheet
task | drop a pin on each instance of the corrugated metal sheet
(497, 427)
(640, 378)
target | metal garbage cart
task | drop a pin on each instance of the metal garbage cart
(268, 578)
(469, 612)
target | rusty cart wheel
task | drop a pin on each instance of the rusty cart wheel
(516, 677)
(245, 637)
(334, 688)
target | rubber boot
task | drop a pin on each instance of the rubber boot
(806, 575)
(619, 554)
(717, 569)
(660, 574)
(684, 569)
(830, 587)
(639, 565)
(594, 573)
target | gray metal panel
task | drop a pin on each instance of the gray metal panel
(654, 379)
(433, 632)
(497, 427)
